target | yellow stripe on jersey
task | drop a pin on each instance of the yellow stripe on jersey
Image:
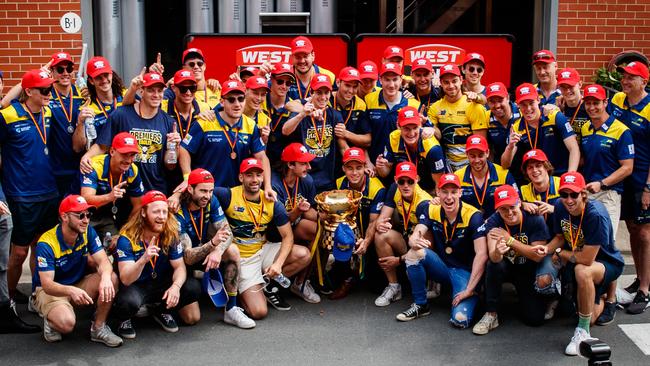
(247, 125)
(528, 191)
(466, 212)
(208, 96)
(50, 238)
(421, 196)
(10, 115)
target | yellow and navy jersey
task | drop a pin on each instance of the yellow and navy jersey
(498, 134)
(354, 115)
(68, 263)
(454, 243)
(208, 96)
(457, 121)
(482, 197)
(248, 220)
(183, 125)
(428, 158)
(372, 200)
(383, 120)
(26, 168)
(637, 119)
(65, 112)
(300, 91)
(210, 143)
(261, 119)
(288, 196)
(104, 110)
(577, 117)
(129, 249)
(550, 99)
(551, 196)
(426, 101)
(277, 118)
(404, 208)
(603, 149)
(196, 224)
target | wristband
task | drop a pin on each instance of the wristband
(186, 176)
(510, 241)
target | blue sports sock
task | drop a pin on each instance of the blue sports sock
(232, 300)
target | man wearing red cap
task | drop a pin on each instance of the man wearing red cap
(184, 108)
(571, 103)
(457, 116)
(394, 225)
(151, 269)
(208, 90)
(62, 279)
(545, 69)
(206, 239)
(395, 54)
(473, 68)
(584, 250)
(550, 133)
(539, 196)
(422, 88)
(354, 130)
(632, 107)
(256, 90)
(368, 75)
(303, 56)
(407, 144)
(276, 106)
(502, 115)
(516, 242)
(446, 247)
(250, 215)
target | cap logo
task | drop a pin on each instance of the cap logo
(154, 77)
(570, 179)
(475, 55)
(286, 66)
(448, 67)
(531, 153)
(99, 64)
(631, 64)
(368, 68)
(475, 140)
(206, 175)
(353, 72)
(61, 55)
(192, 50)
(394, 50)
(250, 68)
(525, 90)
(261, 80)
(503, 194)
(354, 152)
(303, 149)
(129, 141)
(405, 168)
(300, 43)
(495, 88)
(422, 62)
(450, 178)
(409, 114)
(252, 161)
(566, 74)
(390, 66)
(43, 75)
(185, 74)
(232, 84)
(81, 200)
(592, 90)
(540, 54)
(321, 78)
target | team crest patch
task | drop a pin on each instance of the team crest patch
(42, 262)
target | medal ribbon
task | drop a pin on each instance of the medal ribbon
(485, 187)
(530, 141)
(68, 115)
(256, 222)
(575, 114)
(233, 142)
(199, 234)
(153, 259)
(292, 201)
(449, 238)
(349, 112)
(103, 108)
(320, 137)
(574, 241)
(180, 121)
(408, 155)
(41, 133)
(407, 215)
(426, 106)
(307, 89)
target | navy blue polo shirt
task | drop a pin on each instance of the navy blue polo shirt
(532, 228)
(497, 134)
(65, 112)
(198, 222)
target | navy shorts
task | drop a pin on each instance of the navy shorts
(32, 219)
(612, 271)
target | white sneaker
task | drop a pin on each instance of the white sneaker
(573, 348)
(623, 297)
(550, 309)
(389, 295)
(433, 289)
(486, 324)
(236, 317)
(50, 334)
(308, 293)
(31, 305)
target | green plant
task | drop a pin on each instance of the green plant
(608, 79)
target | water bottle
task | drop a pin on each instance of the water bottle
(282, 280)
(172, 158)
(107, 242)
(89, 123)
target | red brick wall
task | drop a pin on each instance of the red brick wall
(590, 32)
(30, 33)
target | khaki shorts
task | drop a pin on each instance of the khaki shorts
(612, 202)
(253, 266)
(45, 303)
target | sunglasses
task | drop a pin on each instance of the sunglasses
(192, 64)
(573, 195)
(401, 182)
(81, 216)
(473, 69)
(44, 91)
(184, 88)
(61, 69)
(231, 100)
(542, 57)
(284, 81)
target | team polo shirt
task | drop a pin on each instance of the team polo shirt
(210, 149)
(596, 230)
(637, 119)
(62, 156)
(199, 221)
(454, 243)
(305, 189)
(603, 149)
(300, 91)
(577, 117)
(498, 134)
(104, 110)
(261, 119)
(482, 197)
(354, 116)
(372, 199)
(529, 194)
(457, 121)
(250, 234)
(554, 130)
(383, 120)
(428, 158)
(405, 209)
(551, 99)
(277, 118)
(26, 170)
(68, 263)
(204, 96)
(531, 229)
(131, 250)
(427, 100)
(182, 123)
(151, 134)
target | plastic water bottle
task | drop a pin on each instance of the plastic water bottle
(172, 158)
(89, 123)
(282, 280)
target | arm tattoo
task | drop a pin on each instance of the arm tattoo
(193, 255)
(223, 223)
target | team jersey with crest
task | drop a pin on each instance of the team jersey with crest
(374, 195)
(498, 134)
(551, 196)
(65, 111)
(131, 250)
(196, 224)
(288, 196)
(428, 158)
(577, 117)
(482, 197)
(406, 209)
(354, 115)
(104, 110)
(300, 91)
(204, 96)
(182, 124)
(426, 101)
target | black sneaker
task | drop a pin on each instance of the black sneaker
(608, 314)
(166, 321)
(413, 312)
(274, 298)
(633, 287)
(20, 298)
(126, 330)
(639, 304)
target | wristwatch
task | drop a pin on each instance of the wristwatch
(603, 186)
(558, 251)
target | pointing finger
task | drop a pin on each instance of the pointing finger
(158, 58)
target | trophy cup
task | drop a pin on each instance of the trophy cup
(335, 207)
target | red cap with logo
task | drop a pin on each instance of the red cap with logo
(97, 66)
(153, 196)
(152, 78)
(321, 81)
(594, 91)
(568, 76)
(301, 44)
(572, 181)
(125, 143)
(447, 179)
(349, 73)
(249, 70)
(505, 195)
(59, 57)
(543, 56)
(295, 151)
(74, 203)
(354, 154)
(449, 69)
(408, 116)
(257, 82)
(476, 142)
(421, 64)
(250, 163)
(192, 53)
(183, 75)
(368, 70)
(282, 68)
(497, 89)
(635, 68)
(230, 86)
(391, 67)
(36, 79)
(473, 56)
(198, 176)
(406, 169)
(526, 91)
(536, 155)
(393, 51)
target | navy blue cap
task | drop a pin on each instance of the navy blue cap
(344, 241)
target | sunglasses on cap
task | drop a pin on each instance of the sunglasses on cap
(231, 100)
(45, 91)
(475, 69)
(542, 57)
(61, 69)
(81, 216)
(573, 195)
(184, 88)
(192, 64)
(401, 182)
(284, 81)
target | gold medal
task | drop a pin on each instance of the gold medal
(273, 138)
(233, 155)
(154, 275)
(70, 129)
(449, 250)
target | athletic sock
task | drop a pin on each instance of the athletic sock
(584, 321)
(232, 300)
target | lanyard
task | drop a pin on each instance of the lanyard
(68, 115)
(406, 216)
(481, 199)
(349, 112)
(320, 137)
(449, 238)
(154, 258)
(180, 121)
(307, 89)
(530, 141)
(256, 222)
(575, 114)
(574, 241)
(292, 201)
(408, 155)
(426, 106)
(41, 133)
(233, 142)
(521, 225)
(103, 108)
(199, 233)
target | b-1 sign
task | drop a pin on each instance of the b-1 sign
(70, 22)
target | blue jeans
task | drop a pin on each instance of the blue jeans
(546, 267)
(431, 265)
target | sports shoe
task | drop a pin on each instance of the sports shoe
(433, 289)
(391, 293)
(486, 324)
(31, 305)
(342, 291)
(623, 298)
(126, 330)
(50, 334)
(274, 298)
(639, 304)
(308, 294)
(105, 335)
(579, 335)
(166, 321)
(414, 311)
(236, 317)
(550, 309)
(608, 314)
(633, 287)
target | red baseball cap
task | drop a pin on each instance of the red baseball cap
(250, 163)
(301, 44)
(536, 155)
(183, 75)
(295, 151)
(349, 73)
(572, 181)
(257, 82)
(282, 68)
(408, 116)
(153, 196)
(568, 76)
(249, 70)
(59, 57)
(449, 69)
(97, 66)
(354, 154)
(199, 176)
(594, 91)
(473, 56)
(406, 169)
(496, 89)
(74, 203)
(321, 81)
(391, 67)
(368, 70)
(230, 86)
(526, 91)
(476, 142)
(421, 64)
(505, 195)
(192, 53)
(449, 178)
(125, 143)
(393, 51)
(544, 56)
(152, 78)
(635, 68)
(36, 79)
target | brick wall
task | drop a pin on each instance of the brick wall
(590, 32)
(30, 33)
